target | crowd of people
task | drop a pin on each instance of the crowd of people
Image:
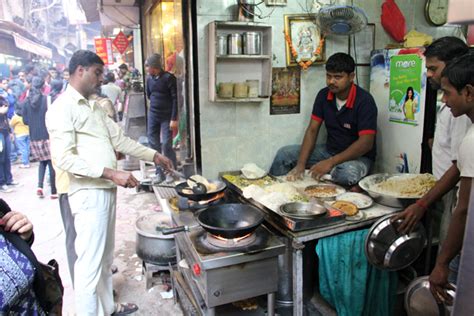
(25, 96)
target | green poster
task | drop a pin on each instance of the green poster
(405, 87)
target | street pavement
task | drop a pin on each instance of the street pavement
(129, 282)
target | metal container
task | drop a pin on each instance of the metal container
(388, 249)
(234, 44)
(252, 43)
(221, 45)
(302, 210)
(384, 199)
(151, 245)
(420, 302)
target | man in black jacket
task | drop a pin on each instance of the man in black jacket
(162, 115)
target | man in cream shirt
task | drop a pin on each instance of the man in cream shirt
(83, 143)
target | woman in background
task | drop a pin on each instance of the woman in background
(34, 111)
(410, 105)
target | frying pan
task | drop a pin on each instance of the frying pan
(182, 189)
(231, 220)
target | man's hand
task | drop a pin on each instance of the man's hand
(15, 222)
(295, 174)
(163, 161)
(439, 284)
(410, 216)
(173, 125)
(321, 168)
(122, 178)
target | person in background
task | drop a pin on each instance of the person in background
(20, 281)
(53, 73)
(65, 79)
(84, 141)
(161, 90)
(111, 90)
(350, 115)
(34, 111)
(448, 136)
(6, 177)
(103, 101)
(56, 90)
(457, 84)
(22, 136)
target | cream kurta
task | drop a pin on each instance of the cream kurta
(84, 140)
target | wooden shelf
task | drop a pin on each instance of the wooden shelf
(241, 100)
(223, 57)
(239, 68)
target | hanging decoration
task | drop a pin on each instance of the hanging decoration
(316, 53)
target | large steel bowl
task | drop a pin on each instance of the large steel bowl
(385, 199)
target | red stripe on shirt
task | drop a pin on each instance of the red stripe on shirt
(316, 118)
(350, 99)
(367, 132)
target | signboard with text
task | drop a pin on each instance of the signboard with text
(121, 42)
(103, 48)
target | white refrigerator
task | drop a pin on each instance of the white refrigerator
(398, 84)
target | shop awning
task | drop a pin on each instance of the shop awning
(30, 46)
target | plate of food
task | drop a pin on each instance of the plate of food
(324, 191)
(251, 171)
(362, 201)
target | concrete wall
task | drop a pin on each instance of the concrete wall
(234, 133)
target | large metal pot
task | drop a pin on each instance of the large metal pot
(151, 245)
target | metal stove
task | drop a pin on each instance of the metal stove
(219, 271)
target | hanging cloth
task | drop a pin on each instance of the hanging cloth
(348, 282)
(393, 20)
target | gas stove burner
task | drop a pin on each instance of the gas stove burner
(205, 243)
(187, 204)
(222, 242)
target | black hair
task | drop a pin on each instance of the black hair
(446, 48)
(3, 100)
(340, 62)
(83, 58)
(52, 68)
(412, 94)
(109, 77)
(123, 66)
(460, 71)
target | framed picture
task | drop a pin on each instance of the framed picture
(276, 2)
(361, 44)
(303, 33)
(285, 98)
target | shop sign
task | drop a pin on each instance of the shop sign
(121, 42)
(103, 48)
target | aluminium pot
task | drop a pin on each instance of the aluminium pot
(151, 245)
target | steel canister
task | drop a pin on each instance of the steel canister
(252, 43)
(234, 44)
(221, 45)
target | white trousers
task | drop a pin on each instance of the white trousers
(94, 221)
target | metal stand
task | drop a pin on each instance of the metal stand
(148, 269)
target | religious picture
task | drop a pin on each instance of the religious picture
(285, 98)
(303, 40)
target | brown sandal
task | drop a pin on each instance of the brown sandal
(124, 309)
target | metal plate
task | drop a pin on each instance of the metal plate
(362, 201)
(302, 210)
(420, 302)
(387, 249)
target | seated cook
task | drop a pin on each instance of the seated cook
(350, 115)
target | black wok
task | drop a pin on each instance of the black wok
(184, 190)
(226, 220)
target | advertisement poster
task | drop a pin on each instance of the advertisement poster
(103, 48)
(405, 87)
(285, 98)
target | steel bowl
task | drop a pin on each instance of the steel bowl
(302, 210)
(420, 302)
(385, 199)
(388, 249)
